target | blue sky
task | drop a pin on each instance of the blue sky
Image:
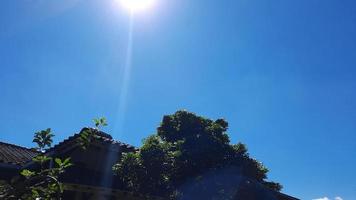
(281, 72)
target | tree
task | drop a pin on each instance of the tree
(191, 156)
(43, 139)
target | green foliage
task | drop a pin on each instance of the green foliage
(27, 173)
(63, 164)
(41, 182)
(88, 134)
(41, 159)
(130, 170)
(43, 139)
(85, 138)
(100, 122)
(146, 171)
(193, 150)
(273, 185)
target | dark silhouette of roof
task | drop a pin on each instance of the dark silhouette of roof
(19, 156)
(101, 138)
(15, 155)
(283, 196)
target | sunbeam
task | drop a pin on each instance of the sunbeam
(125, 81)
(122, 104)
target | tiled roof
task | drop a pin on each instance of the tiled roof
(15, 155)
(101, 137)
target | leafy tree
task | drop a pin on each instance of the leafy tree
(43, 139)
(190, 157)
(148, 171)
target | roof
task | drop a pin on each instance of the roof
(15, 155)
(101, 138)
(19, 156)
(283, 196)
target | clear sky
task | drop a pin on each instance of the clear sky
(281, 72)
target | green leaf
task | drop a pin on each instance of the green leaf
(66, 161)
(27, 173)
(67, 165)
(100, 122)
(58, 161)
(41, 159)
(35, 193)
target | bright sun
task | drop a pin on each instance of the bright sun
(137, 5)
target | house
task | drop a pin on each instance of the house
(91, 176)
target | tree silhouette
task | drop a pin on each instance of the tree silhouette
(191, 156)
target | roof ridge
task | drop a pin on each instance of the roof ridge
(107, 137)
(103, 136)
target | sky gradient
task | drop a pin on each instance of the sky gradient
(281, 72)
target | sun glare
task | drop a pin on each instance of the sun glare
(137, 5)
